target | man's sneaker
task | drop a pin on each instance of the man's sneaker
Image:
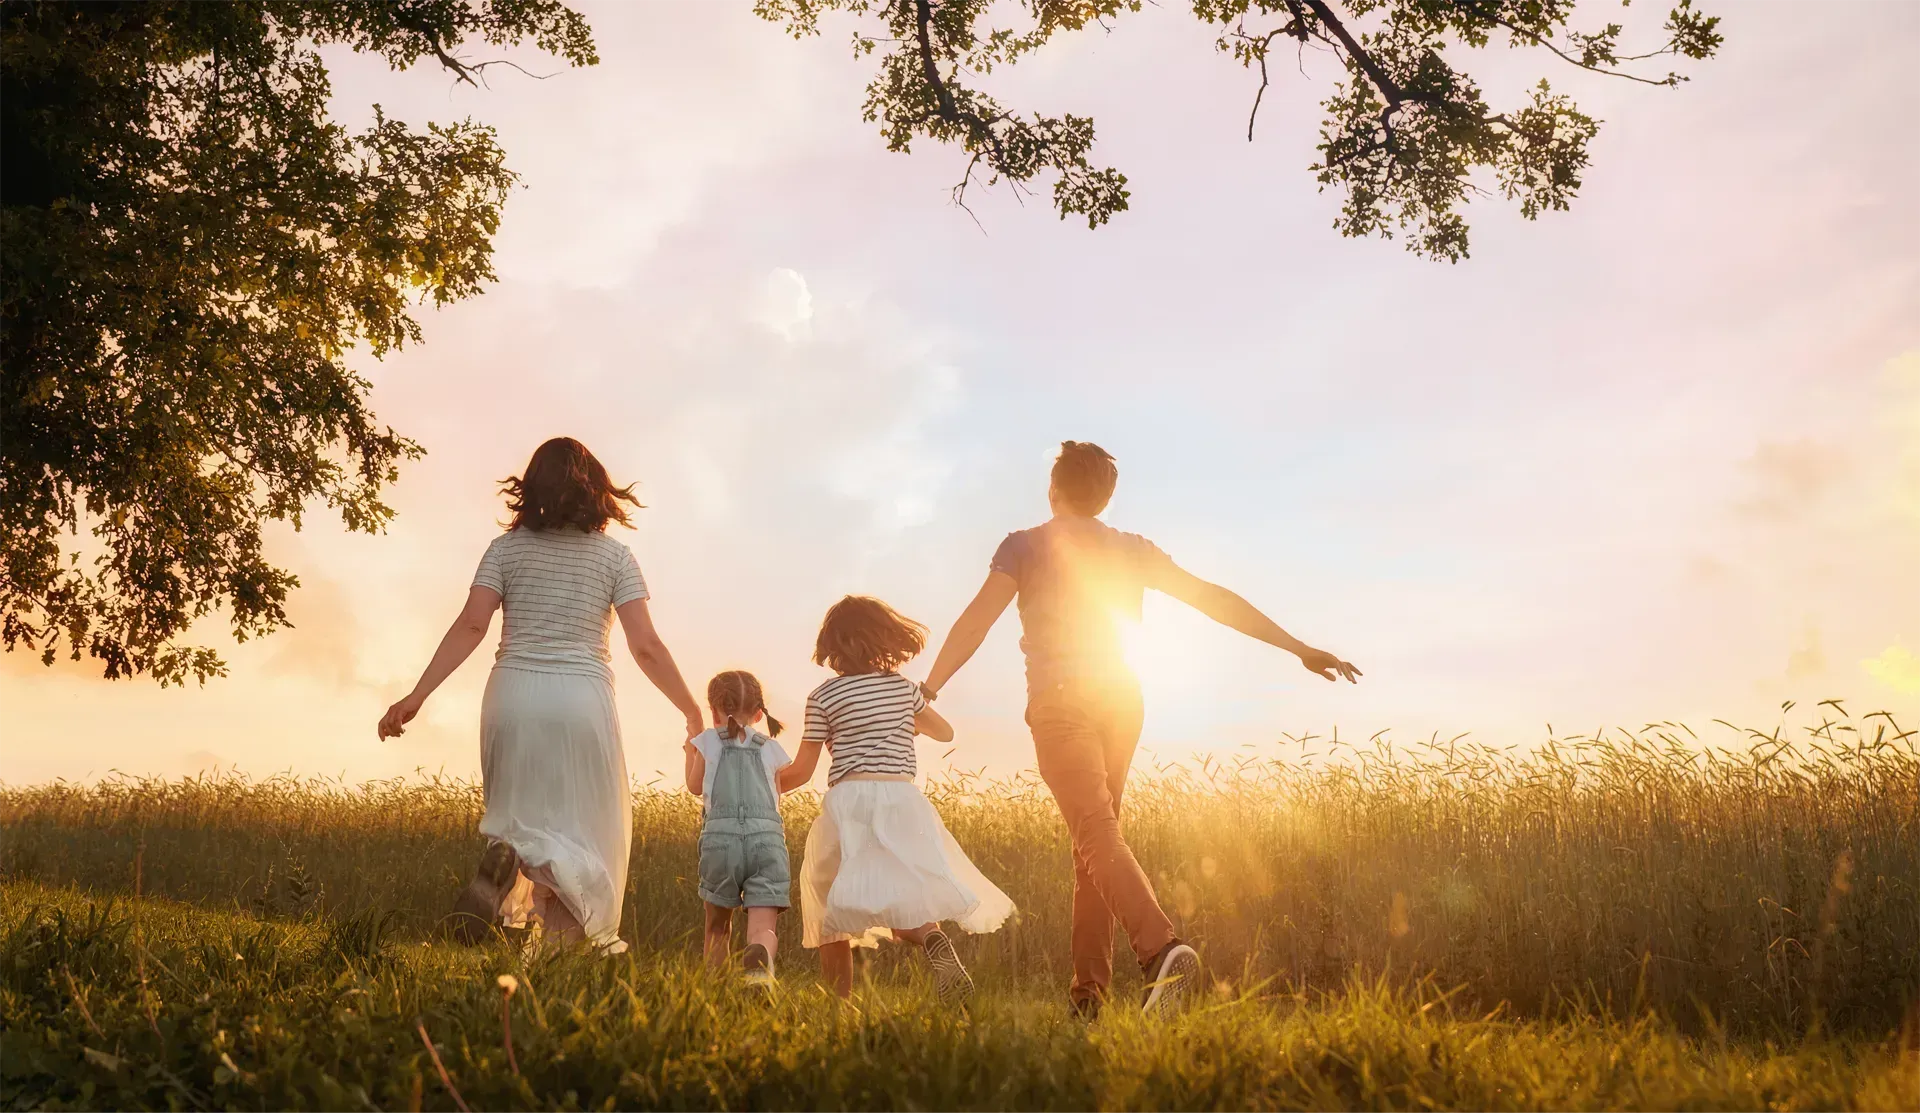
(1085, 1008)
(1172, 977)
(758, 965)
(476, 911)
(950, 979)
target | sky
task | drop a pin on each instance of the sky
(1656, 458)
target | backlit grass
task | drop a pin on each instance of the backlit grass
(156, 1005)
(1644, 920)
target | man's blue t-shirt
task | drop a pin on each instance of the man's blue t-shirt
(1078, 579)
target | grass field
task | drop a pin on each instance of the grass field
(1633, 921)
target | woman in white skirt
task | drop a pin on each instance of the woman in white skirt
(879, 862)
(558, 816)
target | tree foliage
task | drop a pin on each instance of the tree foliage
(191, 247)
(1405, 130)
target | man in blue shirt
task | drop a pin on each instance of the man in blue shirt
(1077, 579)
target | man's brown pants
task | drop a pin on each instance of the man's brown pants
(1084, 743)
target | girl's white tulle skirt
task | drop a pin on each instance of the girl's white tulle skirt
(879, 858)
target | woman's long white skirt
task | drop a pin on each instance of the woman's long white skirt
(556, 789)
(879, 858)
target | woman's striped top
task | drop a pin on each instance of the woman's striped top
(558, 588)
(866, 722)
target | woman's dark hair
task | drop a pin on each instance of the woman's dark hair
(564, 487)
(1084, 474)
(735, 694)
(861, 634)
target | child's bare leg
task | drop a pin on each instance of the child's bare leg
(916, 936)
(719, 938)
(836, 967)
(760, 928)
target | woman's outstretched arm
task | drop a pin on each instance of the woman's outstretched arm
(459, 642)
(650, 653)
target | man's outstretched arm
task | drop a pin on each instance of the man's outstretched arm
(1229, 609)
(970, 629)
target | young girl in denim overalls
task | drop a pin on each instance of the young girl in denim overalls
(737, 772)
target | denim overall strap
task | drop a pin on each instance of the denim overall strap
(741, 793)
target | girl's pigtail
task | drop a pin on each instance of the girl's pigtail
(727, 693)
(735, 693)
(773, 726)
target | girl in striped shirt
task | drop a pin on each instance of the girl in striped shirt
(879, 862)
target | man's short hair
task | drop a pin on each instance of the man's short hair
(1084, 475)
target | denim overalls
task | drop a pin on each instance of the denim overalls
(743, 846)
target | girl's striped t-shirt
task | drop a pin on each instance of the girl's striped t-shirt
(558, 588)
(866, 722)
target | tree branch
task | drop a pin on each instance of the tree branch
(460, 69)
(480, 68)
(923, 17)
(979, 129)
(1535, 39)
(1666, 82)
(1394, 95)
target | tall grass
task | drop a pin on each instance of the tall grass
(152, 1005)
(1771, 888)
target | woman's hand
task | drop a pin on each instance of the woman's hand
(696, 722)
(394, 722)
(456, 645)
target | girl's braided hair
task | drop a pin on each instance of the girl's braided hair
(734, 696)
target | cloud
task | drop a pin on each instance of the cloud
(1793, 477)
(1807, 659)
(324, 637)
(622, 153)
(1896, 668)
(202, 761)
(786, 303)
(1902, 416)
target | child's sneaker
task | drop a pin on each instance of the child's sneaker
(951, 982)
(758, 965)
(1172, 977)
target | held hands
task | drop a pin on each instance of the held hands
(1325, 665)
(394, 722)
(696, 722)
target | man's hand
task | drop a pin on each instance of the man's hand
(1324, 665)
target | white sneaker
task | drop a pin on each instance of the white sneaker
(951, 982)
(1171, 981)
(758, 965)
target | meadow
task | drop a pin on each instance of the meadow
(1636, 919)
